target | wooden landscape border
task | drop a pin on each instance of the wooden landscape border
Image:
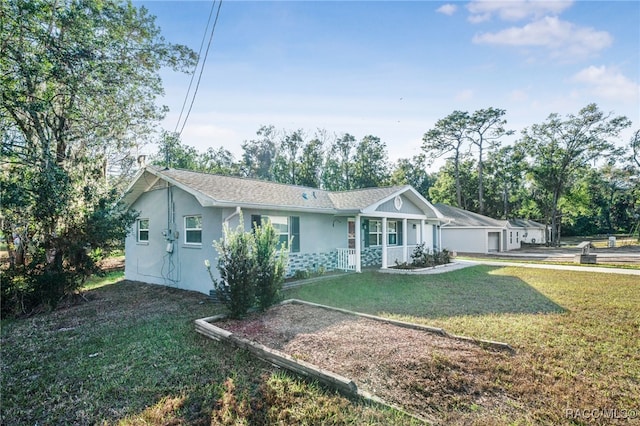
(343, 384)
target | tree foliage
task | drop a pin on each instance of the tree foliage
(79, 81)
(560, 150)
(448, 137)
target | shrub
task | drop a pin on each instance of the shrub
(270, 260)
(251, 267)
(237, 267)
(423, 258)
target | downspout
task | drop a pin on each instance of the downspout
(237, 212)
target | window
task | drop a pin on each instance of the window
(510, 237)
(392, 233)
(143, 230)
(375, 233)
(517, 237)
(286, 227)
(193, 229)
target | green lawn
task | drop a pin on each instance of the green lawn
(130, 355)
(576, 333)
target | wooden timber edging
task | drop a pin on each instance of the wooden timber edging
(343, 384)
(306, 369)
(480, 342)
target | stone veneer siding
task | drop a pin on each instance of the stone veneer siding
(311, 262)
(371, 256)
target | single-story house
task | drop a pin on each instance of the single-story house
(182, 212)
(468, 232)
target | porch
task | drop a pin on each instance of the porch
(384, 241)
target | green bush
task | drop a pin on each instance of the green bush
(271, 261)
(424, 258)
(251, 266)
(236, 264)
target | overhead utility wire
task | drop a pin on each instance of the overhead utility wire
(204, 36)
(206, 53)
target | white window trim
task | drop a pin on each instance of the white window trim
(395, 232)
(377, 233)
(192, 229)
(138, 229)
(287, 234)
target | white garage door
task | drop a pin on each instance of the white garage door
(494, 241)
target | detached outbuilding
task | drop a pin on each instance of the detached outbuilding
(182, 212)
(468, 232)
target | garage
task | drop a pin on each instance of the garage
(494, 241)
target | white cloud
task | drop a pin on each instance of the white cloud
(514, 10)
(608, 83)
(562, 38)
(447, 9)
(464, 95)
(518, 95)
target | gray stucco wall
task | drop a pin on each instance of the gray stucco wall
(184, 266)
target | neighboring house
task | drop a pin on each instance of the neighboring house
(181, 213)
(468, 232)
(531, 232)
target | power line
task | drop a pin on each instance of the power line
(213, 28)
(204, 36)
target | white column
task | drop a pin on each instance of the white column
(405, 249)
(422, 232)
(358, 245)
(384, 243)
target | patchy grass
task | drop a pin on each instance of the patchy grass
(130, 355)
(576, 333)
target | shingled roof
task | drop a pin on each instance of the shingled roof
(461, 217)
(219, 190)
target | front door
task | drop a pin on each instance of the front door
(351, 240)
(351, 233)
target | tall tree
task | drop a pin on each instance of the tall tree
(634, 144)
(219, 161)
(370, 163)
(311, 163)
(486, 127)
(559, 148)
(413, 172)
(286, 165)
(338, 170)
(259, 154)
(444, 188)
(78, 85)
(506, 167)
(449, 136)
(172, 153)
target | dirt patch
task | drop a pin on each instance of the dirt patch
(425, 373)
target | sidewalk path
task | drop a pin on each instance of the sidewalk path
(598, 269)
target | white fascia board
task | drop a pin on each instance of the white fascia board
(271, 207)
(389, 215)
(472, 227)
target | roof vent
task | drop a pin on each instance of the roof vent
(305, 196)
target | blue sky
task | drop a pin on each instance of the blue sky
(393, 68)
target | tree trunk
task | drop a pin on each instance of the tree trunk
(458, 187)
(480, 184)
